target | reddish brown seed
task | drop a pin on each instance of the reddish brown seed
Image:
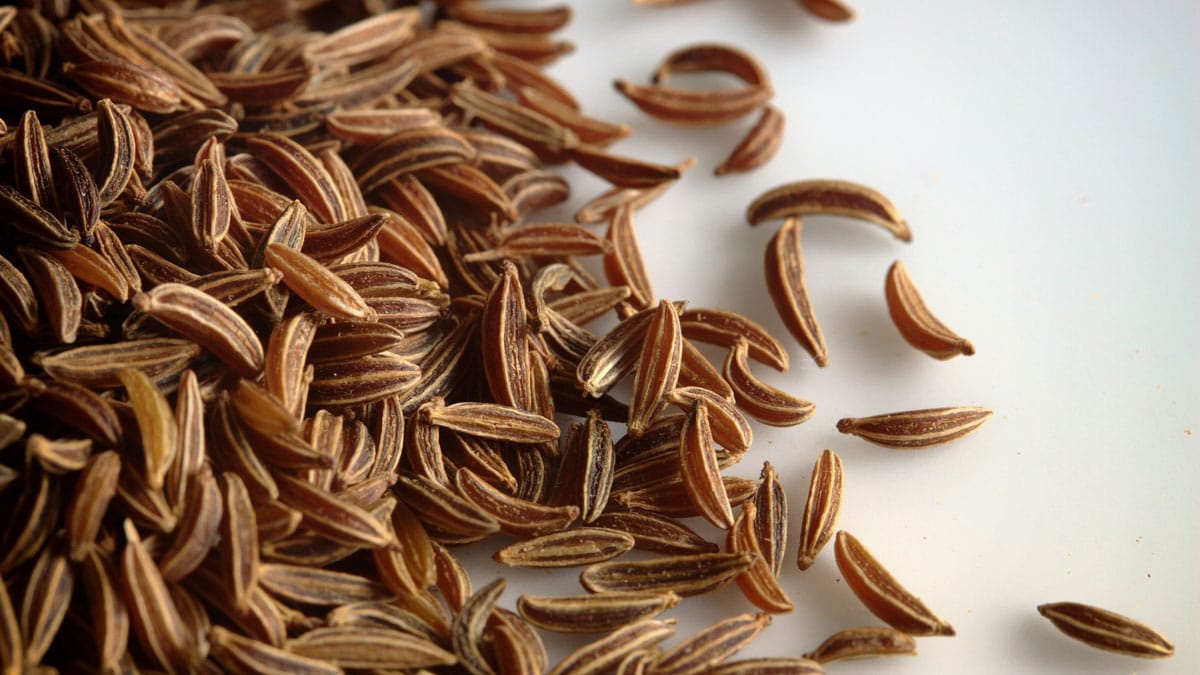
(829, 197)
(784, 266)
(821, 509)
(1107, 630)
(758, 146)
(916, 428)
(915, 322)
(882, 594)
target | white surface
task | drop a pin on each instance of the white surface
(1046, 157)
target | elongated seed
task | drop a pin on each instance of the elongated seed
(1107, 630)
(916, 428)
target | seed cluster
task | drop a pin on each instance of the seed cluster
(281, 330)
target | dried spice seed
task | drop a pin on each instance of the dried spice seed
(758, 146)
(882, 594)
(914, 320)
(829, 197)
(685, 575)
(593, 613)
(821, 509)
(857, 643)
(580, 546)
(784, 266)
(916, 428)
(1107, 630)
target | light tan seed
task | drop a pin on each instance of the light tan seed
(856, 643)
(882, 594)
(712, 645)
(580, 546)
(156, 425)
(207, 321)
(758, 583)
(609, 651)
(916, 428)
(593, 613)
(758, 146)
(94, 268)
(658, 367)
(821, 508)
(828, 197)
(915, 322)
(784, 266)
(1107, 630)
(685, 575)
(31, 160)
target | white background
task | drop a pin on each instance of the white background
(1046, 156)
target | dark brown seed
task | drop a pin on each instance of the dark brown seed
(206, 320)
(698, 468)
(685, 575)
(466, 634)
(580, 546)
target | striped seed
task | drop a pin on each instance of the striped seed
(207, 321)
(609, 651)
(699, 470)
(856, 643)
(712, 645)
(821, 508)
(828, 197)
(917, 325)
(916, 428)
(881, 593)
(1107, 630)
(580, 546)
(758, 146)
(658, 367)
(784, 267)
(758, 583)
(757, 398)
(593, 613)
(685, 575)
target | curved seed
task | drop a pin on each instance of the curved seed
(828, 197)
(1107, 630)
(821, 509)
(658, 367)
(504, 341)
(856, 643)
(466, 633)
(759, 583)
(594, 613)
(317, 285)
(914, 320)
(208, 321)
(830, 10)
(94, 490)
(502, 423)
(516, 516)
(712, 645)
(784, 266)
(916, 428)
(685, 575)
(58, 292)
(580, 546)
(695, 108)
(771, 520)
(156, 619)
(759, 399)
(622, 171)
(881, 593)
(47, 599)
(623, 264)
(156, 425)
(604, 654)
(758, 146)
(710, 56)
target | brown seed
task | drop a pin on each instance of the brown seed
(651, 532)
(94, 268)
(100, 366)
(715, 57)
(94, 489)
(758, 583)
(699, 470)
(784, 265)
(623, 265)
(47, 599)
(916, 428)
(730, 429)
(593, 613)
(830, 10)
(882, 594)
(1107, 630)
(156, 620)
(580, 546)
(758, 146)
(712, 645)
(498, 422)
(543, 239)
(368, 648)
(319, 287)
(365, 380)
(207, 321)
(109, 616)
(503, 336)
(516, 516)
(828, 197)
(856, 643)
(914, 320)
(314, 586)
(821, 508)
(779, 665)
(658, 367)
(685, 575)
(58, 293)
(770, 523)
(145, 89)
(198, 528)
(409, 151)
(58, 456)
(466, 634)
(692, 107)
(333, 517)
(238, 653)
(759, 399)
(239, 552)
(621, 171)
(603, 654)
